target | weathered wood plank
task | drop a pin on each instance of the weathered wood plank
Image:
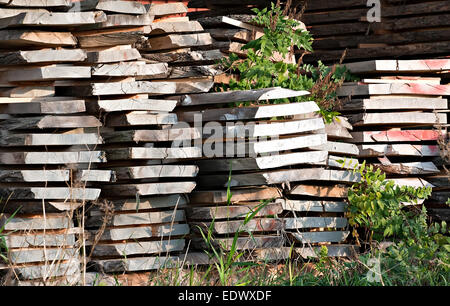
(132, 248)
(143, 172)
(396, 104)
(315, 222)
(144, 232)
(137, 264)
(409, 168)
(50, 193)
(140, 118)
(149, 188)
(95, 218)
(125, 7)
(51, 221)
(390, 89)
(34, 176)
(395, 136)
(22, 106)
(153, 153)
(50, 121)
(151, 135)
(320, 191)
(337, 148)
(26, 38)
(113, 54)
(40, 3)
(317, 237)
(67, 268)
(156, 71)
(312, 206)
(11, 140)
(398, 118)
(158, 202)
(238, 195)
(244, 243)
(187, 57)
(429, 65)
(34, 239)
(20, 256)
(42, 56)
(232, 211)
(30, 158)
(375, 150)
(174, 27)
(175, 41)
(161, 9)
(130, 105)
(254, 225)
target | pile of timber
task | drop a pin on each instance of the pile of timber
(399, 111)
(85, 121)
(275, 160)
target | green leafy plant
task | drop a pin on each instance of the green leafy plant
(3, 244)
(263, 67)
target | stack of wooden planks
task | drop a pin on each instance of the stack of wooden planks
(85, 121)
(399, 111)
(280, 166)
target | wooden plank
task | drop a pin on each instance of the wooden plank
(31, 158)
(395, 136)
(337, 148)
(175, 41)
(50, 193)
(412, 182)
(312, 206)
(143, 172)
(46, 73)
(279, 177)
(238, 195)
(232, 211)
(95, 218)
(43, 19)
(161, 9)
(174, 27)
(113, 54)
(34, 239)
(244, 243)
(68, 268)
(145, 203)
(34, 176)
(254, 225)
(151, 135)
(42, 56)
(10, 12)
(51, 221)
(153, 153)
(241, 96)
(156, 71)
(335, 191)
(50, 121)
(92, 175)
(317, 237)
(137, 264)
(379, 150)
(149, 188)
(140, 118)
(132, 104)
(141, 87)
(315, 222)
(26, 38)
(397, 118)
(122, 20)
(390, 89)
(108, 37)
(20, 256)
(397, 104)
(40, 3)
(11, 140)
(192, 72)
(266, 162)
(11, 106)
(428, 65)
(256, 112)
(132, 248)
(125, 7)
(28, 92)
(416, 168)
(129, 233)
(185, 57)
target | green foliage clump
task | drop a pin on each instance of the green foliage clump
(260, 70)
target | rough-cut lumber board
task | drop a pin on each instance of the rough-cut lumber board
(53, 19)
(231, 227)
(238, 195)
(315, 222)
(35, 239)
(157, 202)
(391, 89)
(96, 217)
(138, 264)
(312, 206)
(192, 72)
(108, 37)
(9, 12)
(132, 248)
(42, 56)
(39, 3)
(50, 121)
(232, 211)
(26, 38)
(152, 135)
(409, 168)
(412, 118)
(49, 139)
(316, 237)
(255, 112)
(396, 104)
(38, 223)
(412, 182)
(149, 188)
(400, 79)
(167, 9)
(142, 87)
(52, 72)
(337, 148)
(338, 129)
(125, 7)
(143, 172)
(65, 268)
(175, 41)
(28, 255)
(113, 54)
(50, 193)
(140, 118)
(239, 35)
(28, 92)
(372, 150)
(34, 175)
(241, 96)
(395, 136)
(160, 70)
(153, 153)
(53, 157)
(279, 177)
(10, 106)
(187, 57)
(337, 162)
(320, 191)
(122, 20)
(429, 65)
(95, 176)
(174, 27)
(145, 232)
(277, 254)
(244, 243)
(265, 162)
(130, 105)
